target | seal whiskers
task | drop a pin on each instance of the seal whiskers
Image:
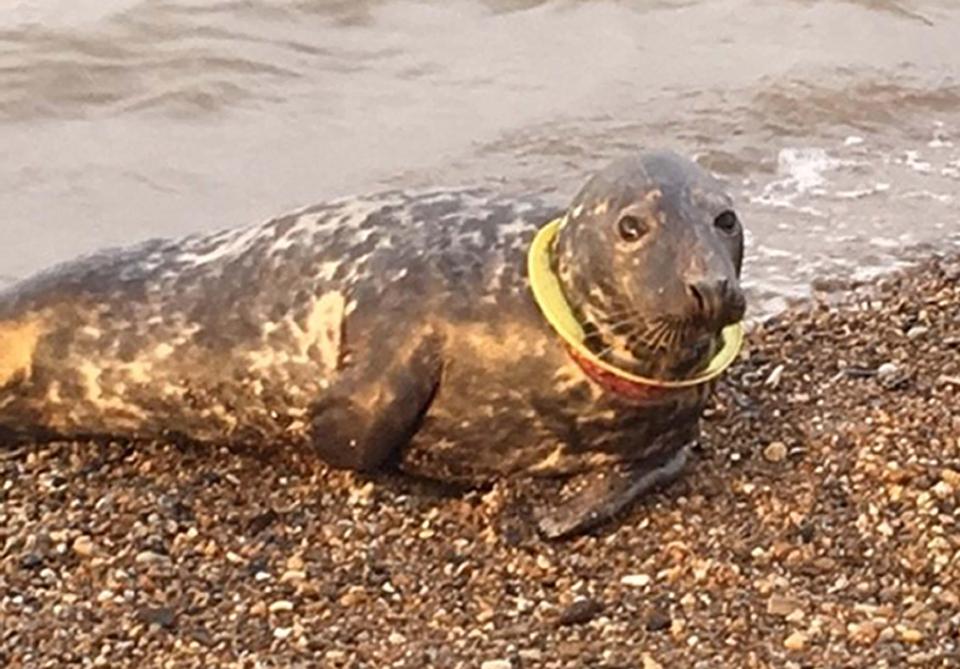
(639, 344)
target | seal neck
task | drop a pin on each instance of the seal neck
(549, 296)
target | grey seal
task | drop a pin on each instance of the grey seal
(400, 330)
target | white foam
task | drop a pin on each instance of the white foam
(65, 14)
(804, 167)
(940, 140)
(913, 161)
(885, 242)
(942, 198)
(802, 170)
(857, 193)
(770, 252)
(516, 227)
(869, 273)
(854, 194)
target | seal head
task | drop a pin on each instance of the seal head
(649, 258)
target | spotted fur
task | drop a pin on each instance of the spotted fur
(396, 327)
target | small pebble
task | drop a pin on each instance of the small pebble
(650, 663)
(261, 521)
(581, 611)
(795, 616)
(864, 633)
(149, 557)
(943, 490)
(83, 546)
(776, 451)
(354, 596)
(891, 376)
(31, 561)
(658, 621)
(796, 641)
(887, 370)
(281, 606)
(497, 664)
(951, 477)
(911, 635)
(396, 638)
(782, 606)
(292, 576)
(917, 331)
(774, 379)
(636, 580)
(162, 616)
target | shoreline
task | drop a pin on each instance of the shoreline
(817, 525)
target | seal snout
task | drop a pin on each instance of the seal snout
(716, 301)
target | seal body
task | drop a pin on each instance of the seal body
(397, 328)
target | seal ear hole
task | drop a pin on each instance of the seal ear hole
(726, 222)
(631, 228)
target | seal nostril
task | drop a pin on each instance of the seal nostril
(699, 297)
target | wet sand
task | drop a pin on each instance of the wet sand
(817, 528)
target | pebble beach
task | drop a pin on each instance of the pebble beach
(817, 526)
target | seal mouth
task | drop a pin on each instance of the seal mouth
(549, 296)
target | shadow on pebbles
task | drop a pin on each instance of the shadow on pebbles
(817, 527)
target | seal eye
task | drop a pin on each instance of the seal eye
(631, 228)
(726, 222)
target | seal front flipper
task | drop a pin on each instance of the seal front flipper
(594, 497)
(371, 411)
